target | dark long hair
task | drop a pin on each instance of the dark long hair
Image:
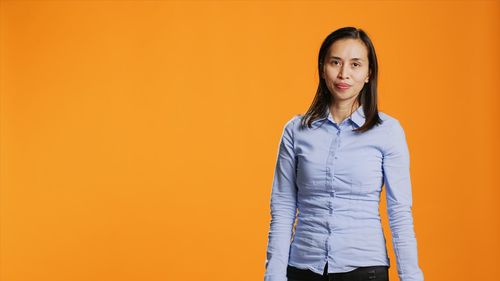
(368, 94)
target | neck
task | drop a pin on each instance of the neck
(342, 110)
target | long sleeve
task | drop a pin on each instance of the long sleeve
(396, 167)
(283, 208)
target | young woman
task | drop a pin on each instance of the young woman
(332, 164)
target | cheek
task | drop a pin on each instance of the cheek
(330, 73)
(360, 76)
(360, 79)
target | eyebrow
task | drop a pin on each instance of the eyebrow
(356, 59)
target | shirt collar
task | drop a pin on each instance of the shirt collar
(358, 116)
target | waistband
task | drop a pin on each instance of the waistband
(380, 272)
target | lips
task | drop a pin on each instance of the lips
(342, 85)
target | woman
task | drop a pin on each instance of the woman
(331, 166)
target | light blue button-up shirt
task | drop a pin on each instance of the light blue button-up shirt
(333, 177)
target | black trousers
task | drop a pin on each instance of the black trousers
(366, 273)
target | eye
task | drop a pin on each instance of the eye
(334, 61)
(356, 64)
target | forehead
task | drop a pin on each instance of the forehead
(348, 48)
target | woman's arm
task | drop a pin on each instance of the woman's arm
(396, 167)
(283, 207)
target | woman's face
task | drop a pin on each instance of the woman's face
(346, 69)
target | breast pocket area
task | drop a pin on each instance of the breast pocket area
(310, 184)
(310, 176)
(366, 189)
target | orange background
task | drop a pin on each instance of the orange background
(138, 139)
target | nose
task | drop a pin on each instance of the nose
(342, 72)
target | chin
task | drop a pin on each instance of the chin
(343, 96)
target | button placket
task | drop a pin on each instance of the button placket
(334, 147)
